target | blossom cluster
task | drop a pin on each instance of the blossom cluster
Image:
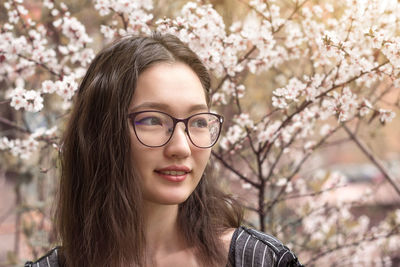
(65, 88)
(30, 100)
(335, 227)
(25, 148)
(203, 29)
(237, 132)
(134, 16)
(19, 148)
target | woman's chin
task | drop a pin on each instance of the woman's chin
(170, 199)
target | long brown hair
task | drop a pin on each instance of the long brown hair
(99, 210)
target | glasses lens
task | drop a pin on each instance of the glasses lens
(153, 128)
(204, 129)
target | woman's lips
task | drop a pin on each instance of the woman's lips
(174, 173)
(172, 178)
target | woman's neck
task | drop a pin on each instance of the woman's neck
(161, 225)
(165, 245)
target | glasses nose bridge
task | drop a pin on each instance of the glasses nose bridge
(184, 121)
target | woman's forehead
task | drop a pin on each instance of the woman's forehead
(169, 85)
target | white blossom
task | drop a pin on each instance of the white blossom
(270, 132)
(66, 88)
(48, 87)
(386, 115)
(365, 108)
(243, 120)
(30, 100)
(281, 182)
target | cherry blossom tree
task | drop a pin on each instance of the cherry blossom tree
(326, 69)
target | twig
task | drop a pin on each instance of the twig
(297, 168)
(246, 160)
(372, 158)
(227, 75)
(312, 194)
(353, 244)
(5, 101)
(13, 125)
(297, 7)
(4, 216)
(241, 176)
(41, 65)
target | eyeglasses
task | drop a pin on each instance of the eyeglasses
(155, 128)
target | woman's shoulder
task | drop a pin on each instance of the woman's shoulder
(250, 247)
(50, 259)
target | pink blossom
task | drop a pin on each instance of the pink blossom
(30, 100)
(219, 98)
(48, 87)
(84, 56)
(243, 120)
(269, 133)
(281, 182)
(34, 101)
(365, 108)
(66, 88)
(234, 135)
(17, 99)
(325, 129)
(107, 31)
(279, 102)
(48, 4)
(75, 31)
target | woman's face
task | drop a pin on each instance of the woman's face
(169, 173)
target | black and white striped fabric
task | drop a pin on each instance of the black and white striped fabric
(48, 260)
(251, 248)
(248, 248)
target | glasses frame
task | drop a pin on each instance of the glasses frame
(175, 121)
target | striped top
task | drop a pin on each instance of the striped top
(251, 248)
(248, 248)
(48, 260)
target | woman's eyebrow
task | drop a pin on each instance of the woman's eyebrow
(199, 107)
(166, 107)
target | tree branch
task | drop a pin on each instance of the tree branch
(229, 167)
(13, 125)
(372, 158)
(353, 244)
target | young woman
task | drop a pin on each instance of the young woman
(135, 187)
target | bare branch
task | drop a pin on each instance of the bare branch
(278, 157)
(13, 125)
(353, 244)
(311, 194)
(297, 168)
(372, 158)
(296, 9)
(5, 101)
(41, 65)
(227, 76)
(233, 170)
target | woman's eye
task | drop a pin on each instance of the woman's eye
(149, 121)
(200, 123)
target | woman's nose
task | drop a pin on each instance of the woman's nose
(179, 144)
